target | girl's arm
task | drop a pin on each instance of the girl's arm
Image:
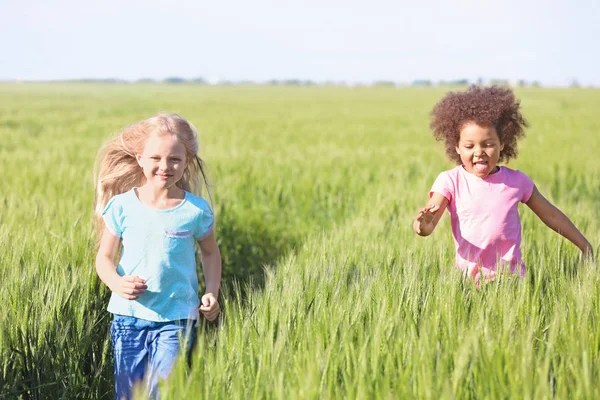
(211, 265)
(559, 222)
(128, 287)
(428, 217)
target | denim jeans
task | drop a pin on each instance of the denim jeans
(146, 350)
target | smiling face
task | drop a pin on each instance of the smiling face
(479, 149)
(163, 160)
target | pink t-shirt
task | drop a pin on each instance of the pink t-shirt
(485, 218)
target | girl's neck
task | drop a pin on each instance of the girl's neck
(160, 198)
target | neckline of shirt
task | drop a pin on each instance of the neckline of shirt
(134, 194)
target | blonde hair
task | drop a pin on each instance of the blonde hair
(117, 171)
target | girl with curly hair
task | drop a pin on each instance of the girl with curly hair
(480, 128)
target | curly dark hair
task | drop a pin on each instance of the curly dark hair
(486, 106)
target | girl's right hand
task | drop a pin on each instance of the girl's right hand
(428, 217)
(425, 217)
(426, 214)
(129, 287)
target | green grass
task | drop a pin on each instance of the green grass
(315, 190)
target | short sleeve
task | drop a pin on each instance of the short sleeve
(112, 216)
(526, 186)
(443, 185)
(205, 222)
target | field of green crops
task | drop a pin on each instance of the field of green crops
(328, 292)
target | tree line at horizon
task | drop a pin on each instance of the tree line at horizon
(176, 80)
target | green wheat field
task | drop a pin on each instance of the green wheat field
(327, 292)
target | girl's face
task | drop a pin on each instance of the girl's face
(163, 160)
(479, 149)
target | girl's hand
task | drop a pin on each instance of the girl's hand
(559, 222)
(428, 217)
(424, 223)
(425, 215)
(587, 253)
(209, 307)
(129, 287)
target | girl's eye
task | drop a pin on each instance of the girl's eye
(154, 158)
(175, 159)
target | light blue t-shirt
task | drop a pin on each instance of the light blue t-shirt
(158, 246)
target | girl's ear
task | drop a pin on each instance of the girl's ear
(501, 146)
(138, 158)
(456, 148)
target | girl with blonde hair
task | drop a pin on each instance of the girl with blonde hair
(148, 181)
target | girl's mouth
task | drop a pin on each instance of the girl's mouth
(481, 166)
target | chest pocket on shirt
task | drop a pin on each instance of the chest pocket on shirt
(176, 242)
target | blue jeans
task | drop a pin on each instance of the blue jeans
(146, 350)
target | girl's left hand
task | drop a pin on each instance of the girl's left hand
(587, 253)
(209, 307)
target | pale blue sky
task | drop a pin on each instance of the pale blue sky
(552, 41)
